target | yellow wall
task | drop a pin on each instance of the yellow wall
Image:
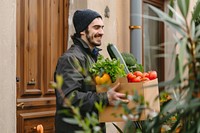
(116, 28)
(123, 23)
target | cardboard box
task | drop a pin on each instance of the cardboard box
(148, 89)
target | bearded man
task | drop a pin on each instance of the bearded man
(74, 66)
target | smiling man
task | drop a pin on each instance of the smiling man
(88, 25)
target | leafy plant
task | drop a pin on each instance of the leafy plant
(197, 17)
(180, 101)
(184, 88)
(90, 123)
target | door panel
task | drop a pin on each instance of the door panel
(31, 120)
(40, 44)
(41, 30)
(32, 53)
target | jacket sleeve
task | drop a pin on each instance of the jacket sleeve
(84, 95)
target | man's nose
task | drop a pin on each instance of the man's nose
(101, 31)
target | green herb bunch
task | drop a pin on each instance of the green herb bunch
(113, 67)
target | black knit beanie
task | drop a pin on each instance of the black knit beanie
(82, 18)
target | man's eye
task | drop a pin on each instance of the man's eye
(97, 27)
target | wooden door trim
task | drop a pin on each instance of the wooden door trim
(66, 13)
(31, 115)
(24, 103)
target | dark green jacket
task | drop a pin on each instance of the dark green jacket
(74, 66)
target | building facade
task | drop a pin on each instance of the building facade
(16, 96)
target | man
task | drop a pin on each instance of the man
(88, 25)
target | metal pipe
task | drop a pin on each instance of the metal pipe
(136, 29)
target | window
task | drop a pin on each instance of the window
(153, 34)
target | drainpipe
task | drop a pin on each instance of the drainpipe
(136, 29)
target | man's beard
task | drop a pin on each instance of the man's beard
(91, 39)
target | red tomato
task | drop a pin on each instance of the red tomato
(152, 75)
(138, 73)
(145, 74)
(130, 77)
(145, 79)
(137, 79)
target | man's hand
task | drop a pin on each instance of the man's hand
(114, 96)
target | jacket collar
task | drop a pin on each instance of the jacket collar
(94, 52)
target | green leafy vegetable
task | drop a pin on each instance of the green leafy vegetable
(112, 67)
(131, 62)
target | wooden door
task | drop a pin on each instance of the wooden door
(42, 27)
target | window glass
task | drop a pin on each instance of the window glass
(151, 38)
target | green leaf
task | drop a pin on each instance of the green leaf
(198, 126)
(196, 12)
(197, 32)
(197, 49)
(172, 5)
(99, 106)
(178, 17)
(184, 6)
(177, 67)
(192, 30)
(53, 85)
(169, 21)
(181, 58)
(59, 80)
(70, 120)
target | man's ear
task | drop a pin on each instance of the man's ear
(82, 33)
